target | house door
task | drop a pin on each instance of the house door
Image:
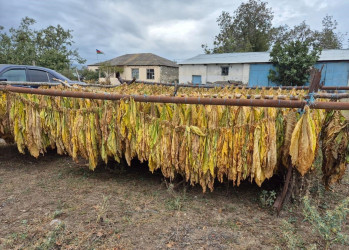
(196, 79)
(259, 75)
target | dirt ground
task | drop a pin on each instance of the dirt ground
(53, 203)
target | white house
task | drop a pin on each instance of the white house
(145, 67)
(252, 68)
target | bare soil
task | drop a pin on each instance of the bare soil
(53, 203)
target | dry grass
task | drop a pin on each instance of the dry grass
(130, 208)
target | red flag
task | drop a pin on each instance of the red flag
(99, 51)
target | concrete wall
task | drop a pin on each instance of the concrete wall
(213, 73)
(333, 74)
(186, 73)
(168, 74)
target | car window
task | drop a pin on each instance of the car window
(37, 76)
(50, 76)
(16, 75)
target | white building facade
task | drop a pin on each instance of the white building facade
(252, 68)
(210, 73)
(145, 67)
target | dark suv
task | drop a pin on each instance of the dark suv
(26, 73)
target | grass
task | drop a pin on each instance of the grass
(102, 208)
(329, 226)
(175, 203)
(135, 210)
(57, 214)
(52, 240)
(290, 236)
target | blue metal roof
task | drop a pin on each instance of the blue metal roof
(258, 57)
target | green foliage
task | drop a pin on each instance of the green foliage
(292, 63)
(267, 198)
(102, 208)
(50, 242)
(110, 69)
(328, 226)
(301, 32)
(49, 47)
(90, 75)
(328, 38)
(70, 73)
(250, 29)
(290, 236)
(175, 203)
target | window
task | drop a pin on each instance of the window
(150, 73)
(225, 71)
(50, 76)
(37, 75)
(135, 73)
(16, 75)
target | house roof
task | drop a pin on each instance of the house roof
(258, 57)
(141, 59)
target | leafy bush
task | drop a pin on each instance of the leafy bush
(89, 75)
(329, 226)
(267, 198)
(292, 62)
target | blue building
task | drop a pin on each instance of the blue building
(252, 68)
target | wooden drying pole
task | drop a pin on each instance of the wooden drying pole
(183, 100)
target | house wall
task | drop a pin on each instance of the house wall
(333, 74)
(168, 74)
(213, 73)
(94, 68)
(127, 74)
(186, 73)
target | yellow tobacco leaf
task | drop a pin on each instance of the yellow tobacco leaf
(197, 131)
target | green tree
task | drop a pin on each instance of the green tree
(90, 75)
(292, 62)
(20, 45)
(328, 38)
(250, 29)
(301, 32)
(224, 41)
(109, 69)
(49, 47)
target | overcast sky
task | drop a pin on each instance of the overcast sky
(171, 29)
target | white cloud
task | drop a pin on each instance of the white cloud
(171, 28)
(315, 4)
(182, 30)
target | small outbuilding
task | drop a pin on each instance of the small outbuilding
(145, 67)
(252, 68)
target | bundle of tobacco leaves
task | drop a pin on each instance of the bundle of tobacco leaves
(203, 143)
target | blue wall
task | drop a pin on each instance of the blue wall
(333, 74)
(259, 75)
